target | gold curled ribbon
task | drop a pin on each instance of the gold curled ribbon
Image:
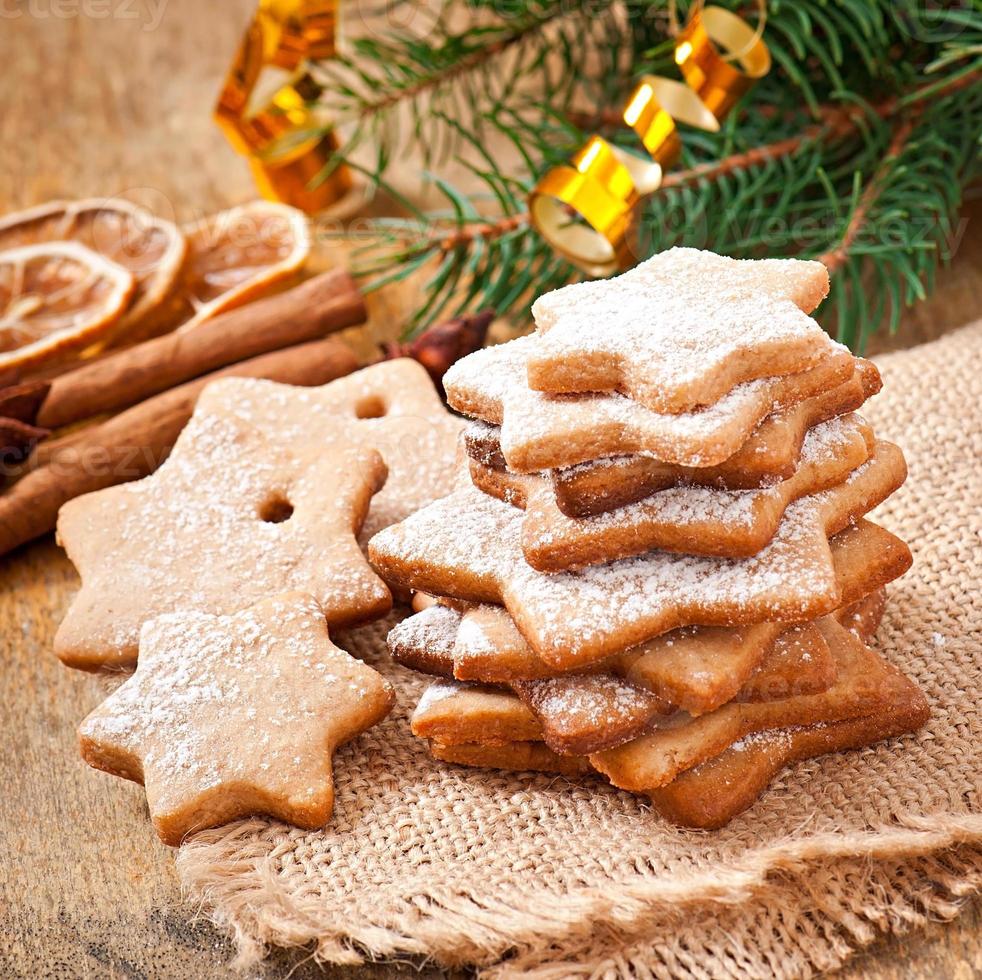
(602, 183)
(261, 120)
(586, 210)
(721, 78)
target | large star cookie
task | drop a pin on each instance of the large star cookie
(468, 546)
(236, 514)
(769, 455)
(391, 406)
(693, 520)
(541, 431)
(228, 716)
(680, 330)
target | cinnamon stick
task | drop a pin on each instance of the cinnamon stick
(135, 442)
(321, 305)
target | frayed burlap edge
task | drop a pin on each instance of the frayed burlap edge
(239, 890)
(799, 925)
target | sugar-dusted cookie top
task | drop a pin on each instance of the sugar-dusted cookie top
(468, 545)
(694, 520)
(228, 716)
(680, 330)
(392, 407)
(541, 431)
(237, 513)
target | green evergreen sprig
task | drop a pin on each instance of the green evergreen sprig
(857, 149)
(396, 88)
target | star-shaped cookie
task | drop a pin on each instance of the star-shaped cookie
(693, 520)
(542, 431)
(236, 514)
(468, 546)
(695, 668)
(769, 455)
(228, 716)
(392, 407)
(680, 330)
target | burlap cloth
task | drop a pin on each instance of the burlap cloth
(521, 873)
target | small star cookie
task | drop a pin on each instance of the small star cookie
(228, 716)
(680, 330)
(236, 514)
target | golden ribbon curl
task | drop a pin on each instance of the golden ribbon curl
(261, 115)
(720, 57)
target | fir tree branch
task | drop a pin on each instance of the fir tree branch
(444, 74)
(865, 178)
(465, 234)
(838, 122)
(836, 257)
(391, 89)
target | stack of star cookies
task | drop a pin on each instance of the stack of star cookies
(658, 568)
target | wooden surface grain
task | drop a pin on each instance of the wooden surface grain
(99, 105)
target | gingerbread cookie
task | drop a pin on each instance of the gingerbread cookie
(693, 520)
(235, 514)
(517, 756)
(479, 644)
(584, 713)
(769, 455)
(540, 431)
(713, 793)
(694, 668)
(467, 545)
(800, 662)
(425, 641)
(228, 716)
(863, 617)
(654, 760)
(681, 329)
(455, 712)
(391, 406)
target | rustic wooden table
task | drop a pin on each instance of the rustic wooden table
(114, 98)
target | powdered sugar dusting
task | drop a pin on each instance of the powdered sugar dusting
(588, 713)
(436, 692)
(692, 518)
(433, 629)
(682, 322)
(258, 697)
(469, 544)
(391, 406)
(540, 431)
(237, 513)
(780, 738)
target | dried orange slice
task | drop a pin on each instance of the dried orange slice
(241, 254)
(152, 249)
(57, 297)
